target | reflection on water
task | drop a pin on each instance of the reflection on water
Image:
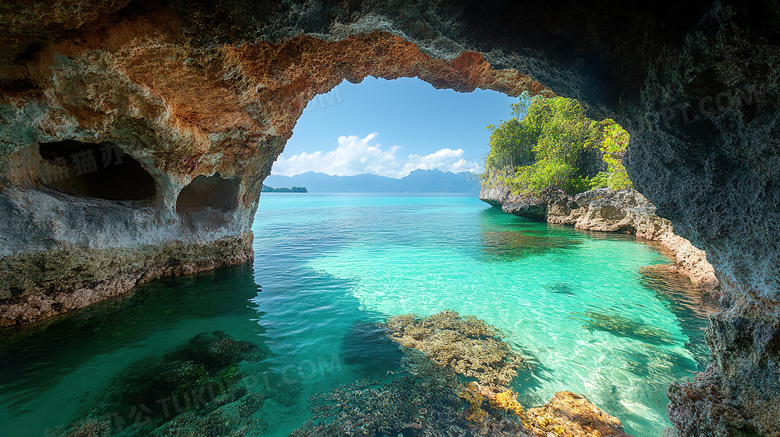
(509, 243)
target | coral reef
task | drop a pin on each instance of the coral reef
(466, 344)
(421, 400)
(225, 416)
(424, 399)
(507, 400)
(428, 398)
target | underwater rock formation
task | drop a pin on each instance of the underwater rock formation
(192, 390)
(422, 399)
(573, 415)
(605, 210)
(621, 326)
(427, 397)
(466, 344)
(202, 88)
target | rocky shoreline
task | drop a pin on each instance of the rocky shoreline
(621, 211)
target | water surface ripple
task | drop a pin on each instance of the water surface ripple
(575, 304)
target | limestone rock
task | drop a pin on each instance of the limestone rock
(622, 211)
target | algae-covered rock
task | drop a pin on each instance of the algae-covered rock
(466, 344)
(91, 428)
(233, 419)
(188, 391)
(424, 399)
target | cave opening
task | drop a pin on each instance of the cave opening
(208, 193)
(382, 136)
(584, 154)
(102, 171)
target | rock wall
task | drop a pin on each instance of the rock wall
(205, 88)
(604, 210)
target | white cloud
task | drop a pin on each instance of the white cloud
(442, 159)
(355, 155)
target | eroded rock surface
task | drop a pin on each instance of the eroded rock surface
(201, 88)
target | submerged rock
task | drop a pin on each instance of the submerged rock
(368, 349)
(624, 327)
(185, 392)
(228, 417)
(466, 344)
(421, 400)
(511, 245)
(426, 399)
(572, 415)
(560, 288)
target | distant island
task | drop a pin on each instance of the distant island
(267, 189)
(418, 181)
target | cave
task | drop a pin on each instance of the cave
(208, 192)
(101, 171)
(224, 98)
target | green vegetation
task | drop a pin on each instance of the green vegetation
(551, 143)
(267, 189)
(614, 147)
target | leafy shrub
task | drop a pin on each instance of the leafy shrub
(548, 143)
(614, 148)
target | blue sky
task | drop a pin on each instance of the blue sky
(391, 128)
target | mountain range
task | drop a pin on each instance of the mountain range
(418, 181)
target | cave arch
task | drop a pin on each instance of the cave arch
(102, 171)
(716, 178)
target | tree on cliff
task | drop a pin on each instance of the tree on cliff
(551, 143)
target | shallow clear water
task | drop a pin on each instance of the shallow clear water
(573, 303)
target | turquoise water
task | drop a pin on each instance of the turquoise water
(327, 266)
